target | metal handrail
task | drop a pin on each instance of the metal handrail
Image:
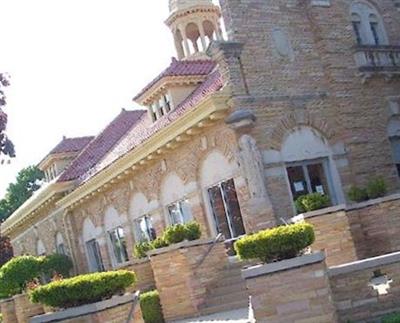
(132, 310)
(215, 241)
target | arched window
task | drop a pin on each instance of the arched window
(220, 195)
(116, 237)
(367, 24)
(90, 234)
(309, 165)
(174, 199)
(40, 248)
(60, 246)
(143, 221)
(394, 138)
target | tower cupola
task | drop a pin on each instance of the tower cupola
(194, 24)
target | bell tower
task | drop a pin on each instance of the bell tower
(194, 24)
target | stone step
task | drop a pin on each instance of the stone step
(240, 315)
(236, 296)
(224, 307)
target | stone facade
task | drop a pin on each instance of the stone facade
(295, 290)
(359, 231)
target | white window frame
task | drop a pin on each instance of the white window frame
(327, 171)
(112, 247)
(189, 217)
(367, 15)
(137, 228)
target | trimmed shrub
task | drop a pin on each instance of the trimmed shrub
(193, 231)
(312, 202)
(83, 289)
(376, 188)
(151, 307)
(175, 233)
(357, 194)
(391, 318)
(276, 244)
(17, 273)
(159, 243)
(141, 248)
(56, 264)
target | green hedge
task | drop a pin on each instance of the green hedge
(391, 318)
(375, 188)
(83, 289)
(151, 307)
(279, 243)
(56, 264)
(16, 273)
(173, 234)
(312, 202)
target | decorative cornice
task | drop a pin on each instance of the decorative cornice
(39, 201)
(209, 111)
(188, 11)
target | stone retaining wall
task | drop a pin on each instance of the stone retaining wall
(7, 308)
(25, 310)
(355, 298)
(114, 310)
(182, 278)
(357, 231)
(144, 274)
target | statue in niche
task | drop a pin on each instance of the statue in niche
(253, 167)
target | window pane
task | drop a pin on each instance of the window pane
(375, 32)
(318, 180)
(233, 208)
(144, 229)
(297, 179)
(94, 256)
(118, 244)
(218, 209)
(357, 31)
(179, 212)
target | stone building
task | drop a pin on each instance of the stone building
(297, 96)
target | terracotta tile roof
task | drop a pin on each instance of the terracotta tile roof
(71, 145)
(145, 128)
(101, 145)
(182, 68)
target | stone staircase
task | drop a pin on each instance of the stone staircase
(228, 292)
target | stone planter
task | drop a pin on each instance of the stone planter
(183, 272)
(144, 274)
(294, 290)
(7, 307)
(116, 310)
(24, 309)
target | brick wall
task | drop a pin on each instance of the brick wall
(355, 299)
(144, 275)
(25, 310)
(181, 282)
(297, 291)
(361, 231)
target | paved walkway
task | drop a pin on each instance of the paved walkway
(235, 316)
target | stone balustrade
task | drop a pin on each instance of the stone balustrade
(378, 58)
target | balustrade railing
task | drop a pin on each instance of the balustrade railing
(378, 58)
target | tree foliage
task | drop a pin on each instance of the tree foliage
(6, 146)
(28, 181)
(6, 250)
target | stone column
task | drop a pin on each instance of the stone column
(179, 48)
(202, 35)
(185, 41)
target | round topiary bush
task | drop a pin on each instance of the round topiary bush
(279, 243)
(56, 264)
(16, 273)
(83, 289)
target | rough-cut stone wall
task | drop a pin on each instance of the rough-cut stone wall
(7, 308)
(364, 230)
(356, 300)
(296, 68)
(25, 310)
(182, 276)
(299, 292)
